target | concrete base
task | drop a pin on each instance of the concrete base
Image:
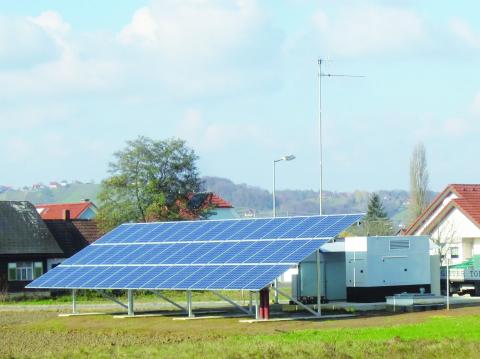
(311, 317)
(79, 314)
(166, 314)
(212, 317)
(360, 307)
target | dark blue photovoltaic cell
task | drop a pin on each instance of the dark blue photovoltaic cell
(228, 254)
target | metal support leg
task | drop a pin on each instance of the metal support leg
(74, 301)
(250, 303)
(299, 303)
(319, 285)
(257, 305)
(189, 304)
(275, 285)
(105, 295)
(171, 302)
(231, 302)
(130, 302)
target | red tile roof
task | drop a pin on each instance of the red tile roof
(468, 202)
(218, 202)
(57, 210)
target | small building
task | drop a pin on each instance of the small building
(26, 245)
(219, 207)
(367, 269)
(72, 235)
(453, 222)
(222, 208)
(78, 210)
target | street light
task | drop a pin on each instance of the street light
(284, 158)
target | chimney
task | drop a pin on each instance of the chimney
(66, 214)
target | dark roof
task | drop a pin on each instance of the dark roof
(22, 231)
(73, 235)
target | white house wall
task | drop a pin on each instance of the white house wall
(435, 213)
(455, 228)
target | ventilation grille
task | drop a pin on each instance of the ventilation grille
(399, 244)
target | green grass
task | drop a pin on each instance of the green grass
(428, 335)
(92, 297)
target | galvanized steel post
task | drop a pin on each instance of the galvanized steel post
(189, 303)
(74, 301)
(319, 284)
(130, 302)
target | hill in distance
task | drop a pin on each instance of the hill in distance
(245, 198)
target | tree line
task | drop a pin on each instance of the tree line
(158, 180)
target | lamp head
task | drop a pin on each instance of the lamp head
(288, 158)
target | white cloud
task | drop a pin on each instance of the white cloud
(24, 44)
(369, 30)
(462, 30)
(455, 127)
(211, 137)
(52, 22)
(62, 71)
(194, 30)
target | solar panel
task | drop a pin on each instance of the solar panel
(195, 255)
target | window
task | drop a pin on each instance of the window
(24, 271)
(454, 252)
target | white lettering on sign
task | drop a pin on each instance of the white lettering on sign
(461, 274)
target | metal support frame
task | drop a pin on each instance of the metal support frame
(105, 295)
(257, 305)
(225, 298)
(319, 284)
(189, 304)
(250, 302)
(317, 314)
(275, 284)
(175, 304)
(130, 302)
(74, 301)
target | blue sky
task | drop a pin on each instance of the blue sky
(237, 80)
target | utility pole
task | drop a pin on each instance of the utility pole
(320, 134)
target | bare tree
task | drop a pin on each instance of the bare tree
(418, 181)
(445, 237)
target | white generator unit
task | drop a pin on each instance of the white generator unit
(367, 269)
(377, 267)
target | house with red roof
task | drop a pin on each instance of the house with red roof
(222, 208)
(78, 210)
(219, 208)
(453, 222)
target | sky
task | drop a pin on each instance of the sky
(237, 80)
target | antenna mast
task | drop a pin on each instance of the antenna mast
(320, 143)
(320, 139)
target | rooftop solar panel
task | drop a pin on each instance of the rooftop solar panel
(195, 255)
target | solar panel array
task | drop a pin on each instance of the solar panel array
(195, 255)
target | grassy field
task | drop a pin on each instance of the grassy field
(426, 334)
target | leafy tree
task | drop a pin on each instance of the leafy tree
(418, 181)
(375, 209)
(151, 180)
(376, 222)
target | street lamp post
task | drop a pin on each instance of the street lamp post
(274, 206)
(284, 158)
